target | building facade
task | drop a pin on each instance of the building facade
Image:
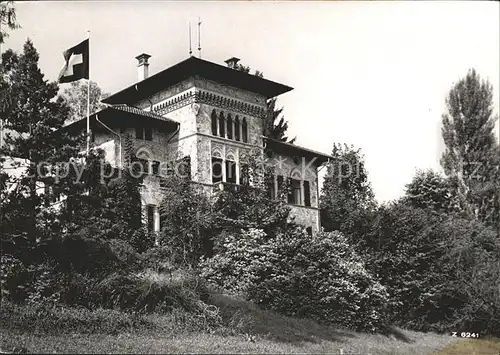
(211, 116)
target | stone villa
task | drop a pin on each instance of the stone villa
(211, 115)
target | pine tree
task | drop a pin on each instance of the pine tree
(31, 121)
(346, 194)
(471, 159)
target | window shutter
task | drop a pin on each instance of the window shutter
(307, 193)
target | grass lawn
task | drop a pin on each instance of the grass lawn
(246, 329)
(348, 343)
(472, 347)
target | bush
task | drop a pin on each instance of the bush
(320, 278)
(437, 268)
(13, 276)
(141, 293)
(473, 253)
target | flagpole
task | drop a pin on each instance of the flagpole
(1, 72)
(88, 100)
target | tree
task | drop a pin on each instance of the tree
(32, 120)
(471, 159)
(76, 98)
(430, 190)
(275, 125)
(7, 19)
(186, 221)
(346, 197)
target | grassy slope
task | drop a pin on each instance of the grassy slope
(472, 347)
(247, 330)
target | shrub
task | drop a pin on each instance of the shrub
(142, 293)
(46, 284)
(321, 278)
(473, 254)
(437, 268)
(125, 253)
(13, 276)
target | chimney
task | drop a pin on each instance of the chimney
(142, 66)
(232, 62)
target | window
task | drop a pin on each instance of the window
(148, 133)
(138, 132)
(184, 167)
(151, 218)
(294, 192)
(229, 127)
(244, 131)
(231, 171)
(145, 133)
(309, 231)
(237, 128)
(214, 123)
(222, 125)
(307, 193)
(144, 164)
(155, 167)
(216, 170)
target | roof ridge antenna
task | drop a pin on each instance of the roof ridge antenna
(199, 37)
(190, 50)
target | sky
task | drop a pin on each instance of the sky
(371, 74)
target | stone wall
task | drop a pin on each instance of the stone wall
(162, 96)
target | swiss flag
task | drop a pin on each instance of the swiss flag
(76, 64)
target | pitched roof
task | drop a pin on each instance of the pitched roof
(111, 112)
(289, 149)
(196, 67)
(138, 111)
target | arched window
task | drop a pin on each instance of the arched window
(222, 125)
(214, 123)
(217, 166)
(237, 128)
(229, 127)
(230, 168)
(244, 131)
